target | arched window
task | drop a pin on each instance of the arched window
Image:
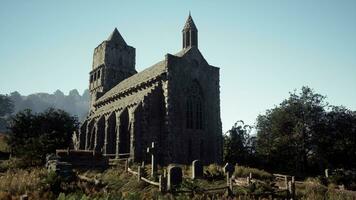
(194, 107)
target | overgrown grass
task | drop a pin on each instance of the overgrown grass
(241, 171)
(213, 172)
(313, 189)
(117, 184)
(14, 183)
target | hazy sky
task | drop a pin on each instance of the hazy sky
(264, 48)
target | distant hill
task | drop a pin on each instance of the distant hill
(73, 103)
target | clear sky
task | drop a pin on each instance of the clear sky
(264, 48)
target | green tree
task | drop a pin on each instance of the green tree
(6, 108)
(304, 135)
(337, 146)
(239, 145)
(35, 135)
(287, 134)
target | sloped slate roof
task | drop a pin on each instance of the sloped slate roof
(141, 77)
(126, 101)
(136, 79)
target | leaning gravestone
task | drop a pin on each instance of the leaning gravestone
(229, 168)
(174, 176)
(197, 169)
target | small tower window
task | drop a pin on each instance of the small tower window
(98, 73)
(94, 76)
(91, 78)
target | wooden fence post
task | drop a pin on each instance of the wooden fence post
(126, 165)
(139, 173)
(162, 183)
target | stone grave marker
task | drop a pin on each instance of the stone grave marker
(327, 173)
(174, 176)
(197, 169)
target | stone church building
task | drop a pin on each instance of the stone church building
(174, 103)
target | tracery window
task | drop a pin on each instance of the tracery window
(194, 107)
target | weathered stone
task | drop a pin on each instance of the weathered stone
(197, 169)
(128, 109)
(229, 168)
(174, 176)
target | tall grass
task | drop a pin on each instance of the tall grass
(14, 183)
(241, 171)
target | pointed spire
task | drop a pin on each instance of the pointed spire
(116, 38)
(189, 24)
(190, 33)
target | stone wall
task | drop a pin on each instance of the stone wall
(190, 144)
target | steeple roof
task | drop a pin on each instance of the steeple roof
(116, 38)
(189, 24)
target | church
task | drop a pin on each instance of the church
(175, 103)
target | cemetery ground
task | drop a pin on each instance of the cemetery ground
(116, 183)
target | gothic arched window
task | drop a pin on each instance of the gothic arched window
(194, 107)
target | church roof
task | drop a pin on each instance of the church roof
(116, 38)
(146, 75)
(136, 79)
(126, 101)
(189, 24)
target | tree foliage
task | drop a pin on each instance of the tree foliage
(6, 108)
(239, 144)
(302, 136)
(35, 135)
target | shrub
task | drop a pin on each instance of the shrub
(35, 135)
(213, 172)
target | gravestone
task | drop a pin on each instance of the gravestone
(197, 169)
(152, 150)
(174, 176)
(24, 197)
(327, 173)
(229, 168)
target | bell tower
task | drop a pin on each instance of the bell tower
(190, 33)
(113, 61)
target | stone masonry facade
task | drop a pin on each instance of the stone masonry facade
(174, 103)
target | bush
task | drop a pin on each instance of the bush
(35, 135)
(343, 177)
(13, 163)
(213, 172)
